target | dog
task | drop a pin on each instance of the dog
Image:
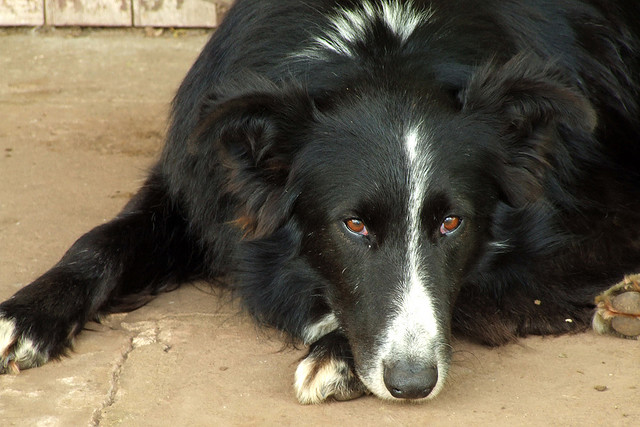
(370, 177)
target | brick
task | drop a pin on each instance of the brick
(177, 13)
(21, 12)
(108, 13)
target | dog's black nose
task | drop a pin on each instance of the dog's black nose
(406, 380)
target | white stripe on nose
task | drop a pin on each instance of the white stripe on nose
(416, 309)
(413, 335)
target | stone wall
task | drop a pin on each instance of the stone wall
(113, 13)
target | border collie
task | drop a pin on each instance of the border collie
(371, 176)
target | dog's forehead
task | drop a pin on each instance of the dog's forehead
(380, 164)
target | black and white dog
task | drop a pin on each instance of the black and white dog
(369, 176)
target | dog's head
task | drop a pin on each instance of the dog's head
(387, 196)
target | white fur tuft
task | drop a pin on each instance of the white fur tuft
(17, 352)
(349, 26)
(322, 327)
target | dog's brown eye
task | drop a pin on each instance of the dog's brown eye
(356, 226)
(450, 224)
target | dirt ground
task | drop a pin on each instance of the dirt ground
(82, 116)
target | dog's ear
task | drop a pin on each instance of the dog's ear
(539, 117)
(256, 137)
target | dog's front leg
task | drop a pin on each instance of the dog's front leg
(117, 266)
(328, 371)
(39, 322)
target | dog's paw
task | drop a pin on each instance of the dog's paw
(320, 379)
(17, 350)
(618, 311)
(328, 373)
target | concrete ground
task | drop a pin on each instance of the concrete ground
(82, 116)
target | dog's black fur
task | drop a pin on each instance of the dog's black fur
(519, 121)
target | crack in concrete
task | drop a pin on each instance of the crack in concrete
(141, 338)
(114, 385)
(143, 333)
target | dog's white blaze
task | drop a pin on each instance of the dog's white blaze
(348, 26)
(411, 144)
(415, 301)
(322, 327)
(417, 310)
(413, 333)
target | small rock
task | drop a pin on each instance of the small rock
(153, 32)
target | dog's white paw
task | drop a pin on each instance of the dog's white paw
(317, 380)
(328, 372)
(17, 351)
